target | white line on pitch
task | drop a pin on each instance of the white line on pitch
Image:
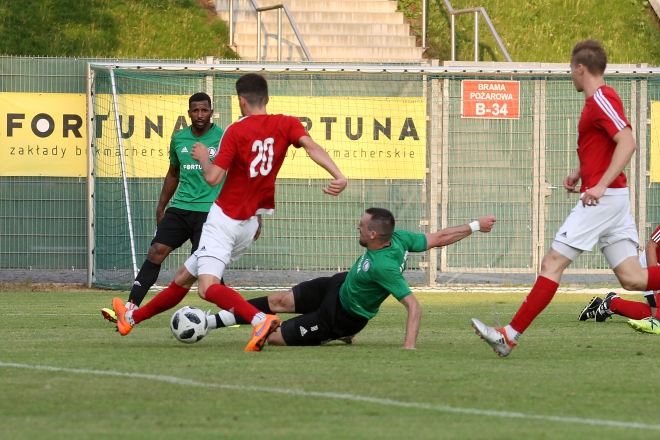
(376, 400)
(48, 314)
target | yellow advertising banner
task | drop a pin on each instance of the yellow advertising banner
(655, 141)
(46, 134)
(147, 125)
(367, 137)
(43, 134)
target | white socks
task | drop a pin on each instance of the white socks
(227, 318)
(129, 317)
(211, 322)
(130, 306)
(258, 318)
(511, 334)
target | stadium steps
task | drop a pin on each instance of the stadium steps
(333, 30)
(655, 4)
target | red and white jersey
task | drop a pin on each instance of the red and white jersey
(252, 151)
(602, 118)
(656, 238)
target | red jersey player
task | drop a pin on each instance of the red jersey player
(638, 312)
(602, 215)
(252, 151)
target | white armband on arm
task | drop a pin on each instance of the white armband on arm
(475, 226)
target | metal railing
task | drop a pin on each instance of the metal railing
(259, 10)
(454, 12)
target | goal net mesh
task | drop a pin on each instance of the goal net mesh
(373, 126)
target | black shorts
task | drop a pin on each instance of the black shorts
(323, 317)
(179, 226)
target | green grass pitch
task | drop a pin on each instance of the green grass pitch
(66, 373)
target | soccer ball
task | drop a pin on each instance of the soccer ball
(188, 324)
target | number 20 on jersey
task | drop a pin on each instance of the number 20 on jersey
(263, 162)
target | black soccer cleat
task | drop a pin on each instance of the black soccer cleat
(589, 312)
(603, 311)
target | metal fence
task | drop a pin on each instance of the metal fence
(512, 167)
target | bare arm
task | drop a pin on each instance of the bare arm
(571, 181)
(447, 236)
(213, 174)
(170, 185)
(625, 148)
(651, 253)
(414, 318)
(321, 157)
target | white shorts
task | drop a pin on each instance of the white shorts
(606, 223)
(223, 240)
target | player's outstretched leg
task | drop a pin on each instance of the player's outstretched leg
(495, 337)
(589, 312)
(261, 332)
(646, 325)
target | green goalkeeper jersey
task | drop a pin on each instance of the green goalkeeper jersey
(379, 273)
(193, 193)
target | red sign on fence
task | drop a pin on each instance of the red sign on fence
(490, 99)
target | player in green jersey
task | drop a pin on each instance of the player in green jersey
(183, 220)
(339, 306)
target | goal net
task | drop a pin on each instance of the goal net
(372, 125)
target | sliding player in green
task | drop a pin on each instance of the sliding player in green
(338, 307)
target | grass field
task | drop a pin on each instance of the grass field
(542, 30)
(65, 373)
(178, 29)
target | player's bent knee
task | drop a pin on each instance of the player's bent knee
(158, 252)
(184, 278)
(282, 302)
(204, 283)
(557, 260)
(630, 273)
(201, 289)
(631, 281)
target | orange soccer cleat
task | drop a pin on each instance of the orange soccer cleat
(120, 309)
(261, 332)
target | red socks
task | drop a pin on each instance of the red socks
(227, 299)
(165, 300)
(223, 296)
(653, 283)
(542, 293)
(630, 309)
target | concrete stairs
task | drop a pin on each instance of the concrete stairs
(368, 31)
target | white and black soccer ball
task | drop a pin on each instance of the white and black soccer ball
(188, 324)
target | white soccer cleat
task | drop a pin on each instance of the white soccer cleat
(495, 337)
